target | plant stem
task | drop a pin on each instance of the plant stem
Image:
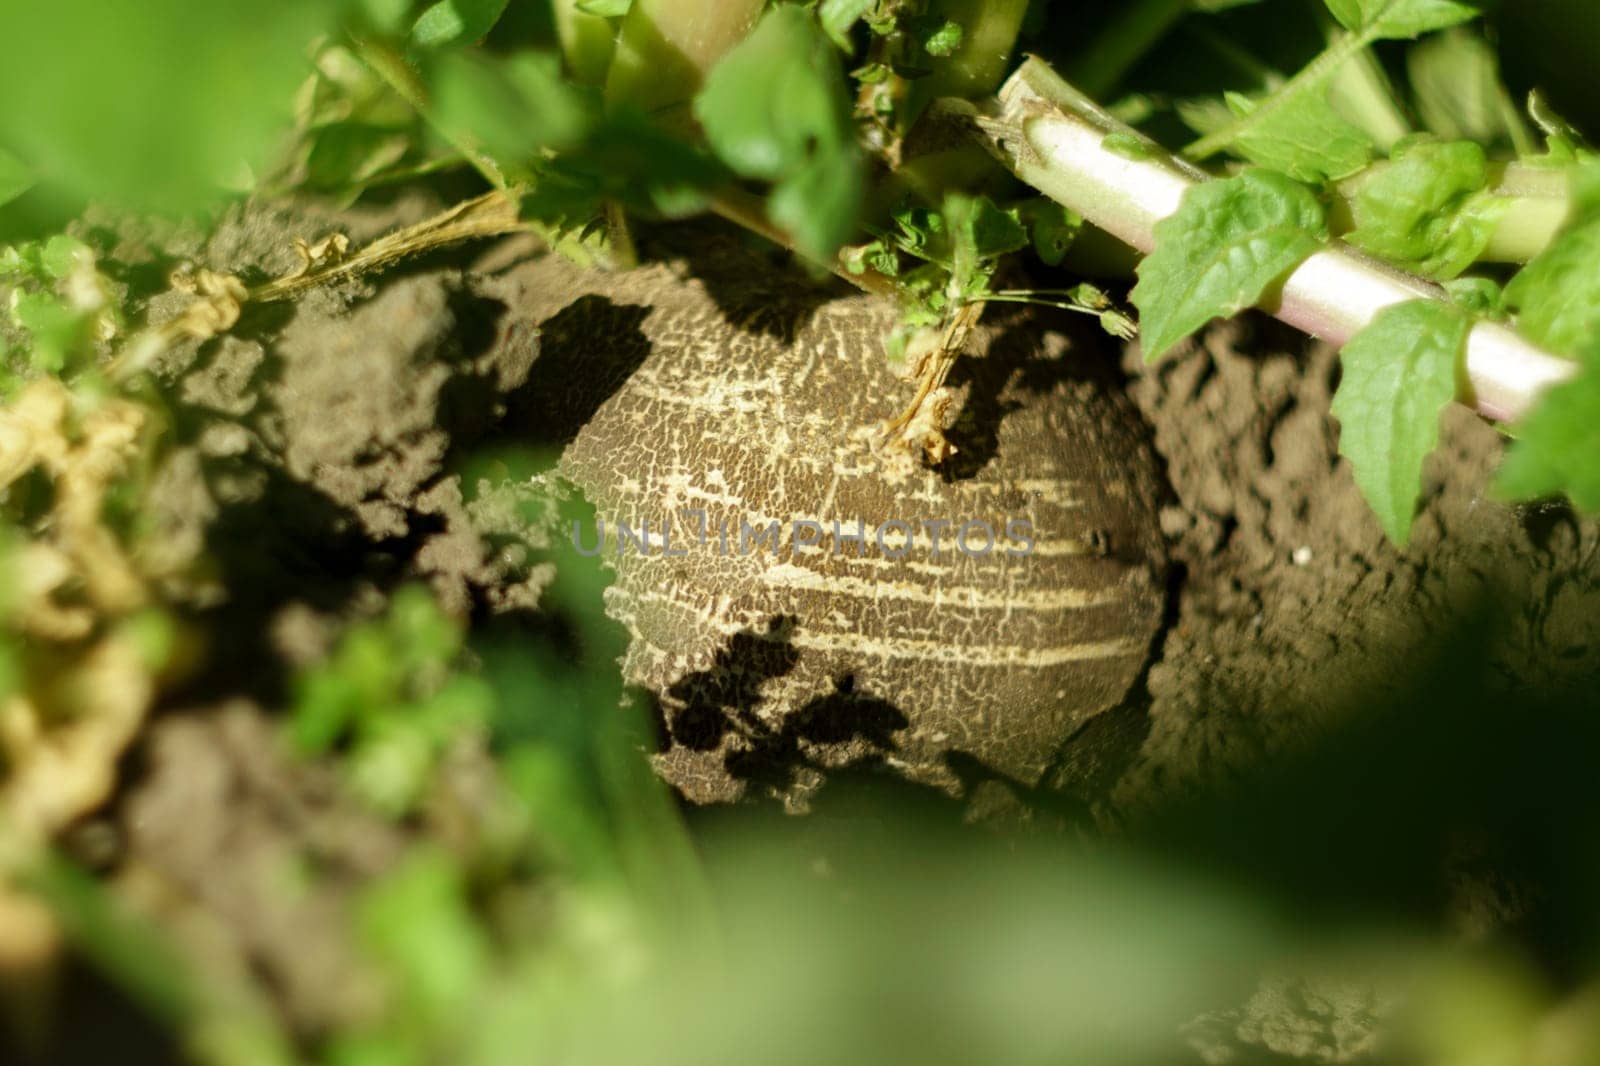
(665, 47)
(1053, 137)
(1541, 203)
(587, 42)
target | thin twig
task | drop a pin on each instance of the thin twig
(221, 297)
(742, 209)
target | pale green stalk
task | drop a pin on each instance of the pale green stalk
(666, 46)
(1054, 138)
(587, 41)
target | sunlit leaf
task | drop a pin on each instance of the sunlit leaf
(450, 21)
(1398, 374)
(1426, 209)
(1228, 242)
(1401, 18)
(775, 109)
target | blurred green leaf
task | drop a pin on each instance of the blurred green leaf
(155, 105)
(609, 9)
(1401, 18)
(1557, 296)
(15, 177)
(775, 109)
(838, 18)
(349, 154)
(629, 160)
(588, 40)
(417, 923)
(1459, 92)
(389, 690)
(512, 107)
(58, 331)
(61, 254)
(451, 21)
(1557, 445)
(375, 1049)
(384, 16)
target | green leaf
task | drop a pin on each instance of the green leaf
(838, 18)
(58, 331)
(416, 921)
(449, 21)
(606, 9)
(1054, 228)
(1227, 244)
(1401, 18)
(775, 109)
(819, 204)
(512, 106)
(1483, 297)
(61, 254)
(942, 38)
(980, 233)
(1558, 446)
(346, 154)
(985, 229)
(155, 105)
(1426, 210)
(1305, 138)
(1459, 92)
(1398, 374)
(628, 159)
(383, 16)
(15, 177)
(1557, 296)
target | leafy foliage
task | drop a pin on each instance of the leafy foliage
(15, 177)
(512, 107)
(1558, 296)
(1426, 210)
(150, 105)
(1556, 453)
(1307, 138)
(773, 109)
(1226, 245)
(543, 923)
(450, 21)
(1399, 373)
(388, 691)
(1401, 18)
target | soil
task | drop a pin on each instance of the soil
(1293, 608)
(318, 461)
